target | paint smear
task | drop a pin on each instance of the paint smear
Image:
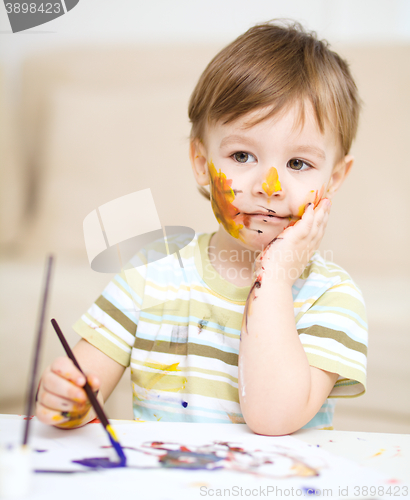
(162, 366)
(313, 197)
(214, 456)
(95, 420)
(98, 463)
(272, 184)
(222, 203)
(224, 455)
(237, 418)
(310, 491)
(75, 419)
(189, 460)
(164, 380)
(380, 452)
(303, 470)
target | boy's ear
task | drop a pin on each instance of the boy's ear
(197, 155)
(340, 172)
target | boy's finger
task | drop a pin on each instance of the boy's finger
(94, 382)
(57, 403)
(325, 205)
(64, 419)
(320, 227)
(320, 215)
(304, 226)
(64, 388)
(65, 368)
(49, 416)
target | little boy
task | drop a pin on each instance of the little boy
(257, 327)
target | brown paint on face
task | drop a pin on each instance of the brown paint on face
(222, 197)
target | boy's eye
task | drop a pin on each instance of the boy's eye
(242, 157)
(296, 164)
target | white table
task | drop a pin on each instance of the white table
(356, 461)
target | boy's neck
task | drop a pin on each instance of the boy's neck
(230, 259)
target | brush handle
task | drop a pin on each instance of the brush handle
(91, 396)
(37, 348)
(93, 399)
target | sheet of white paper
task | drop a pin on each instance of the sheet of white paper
(262, 466)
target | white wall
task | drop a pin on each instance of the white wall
(205, 20)
(199, 20)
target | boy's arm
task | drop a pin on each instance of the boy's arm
(62, 401)
(279, 391)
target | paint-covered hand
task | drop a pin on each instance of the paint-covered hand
(286, 257)
(61, 399)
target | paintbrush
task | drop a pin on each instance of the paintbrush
(93, 399)
(15, 461)
(37, 348)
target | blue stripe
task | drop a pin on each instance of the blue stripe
(130, 314)
(161, 401)
(342, 310)
(126, 286)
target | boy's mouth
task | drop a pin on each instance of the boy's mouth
(268, 214)
(266, 217)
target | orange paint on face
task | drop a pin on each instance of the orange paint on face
(222, 202)
(313, 197)
(272, 184)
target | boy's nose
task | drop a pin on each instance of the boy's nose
(270, 184)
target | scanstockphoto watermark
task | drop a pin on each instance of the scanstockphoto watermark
(25, 15)
(266, 491)
(382, 491)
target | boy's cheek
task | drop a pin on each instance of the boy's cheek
(313, 196)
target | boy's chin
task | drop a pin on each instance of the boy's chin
(257, 241)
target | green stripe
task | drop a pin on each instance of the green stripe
(323, 270)
(343, 358)
(102, 327)
(101, 343)
(116, 314)
(335, 314)
(336, 367)
(343, 300)
(212, 389)
(186, 348)
(184, 369)
(339, 336)
(224, 317)
(134, 280)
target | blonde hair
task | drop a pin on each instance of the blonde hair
(274, 65)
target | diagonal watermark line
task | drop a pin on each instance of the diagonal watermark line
(102, 227)
(64, 6)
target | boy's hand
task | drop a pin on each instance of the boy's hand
(61, 399)
(286, 257)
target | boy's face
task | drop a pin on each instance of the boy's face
(261, 177)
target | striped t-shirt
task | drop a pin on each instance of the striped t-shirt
(177, 322)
